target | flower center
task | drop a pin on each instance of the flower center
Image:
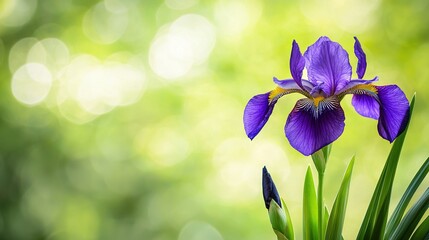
(317, 100)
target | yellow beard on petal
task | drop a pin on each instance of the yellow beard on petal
(368, 87)
(317, 100)
(277, 92)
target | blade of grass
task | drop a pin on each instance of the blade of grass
(310, 208)
(403, 203)
(380, 220)
(408, 224)
(336, 220)
(376, 214)
(422, 232)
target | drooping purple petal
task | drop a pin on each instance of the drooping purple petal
(361, 56)
(366, 105)
(394, 111)
(291, 84)
(296, 63)
(256, 113)
(309, 128)
(328, 62)
(269, 190)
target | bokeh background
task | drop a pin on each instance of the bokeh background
(122, 119)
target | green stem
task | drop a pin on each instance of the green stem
(320, 207)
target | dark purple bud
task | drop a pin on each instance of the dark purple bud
(269, 189)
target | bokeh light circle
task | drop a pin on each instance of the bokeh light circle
(15, 13)
(197, 230)
(102, 25)
(19, 52)
(178, 47)
(51, 52)
(31, 83)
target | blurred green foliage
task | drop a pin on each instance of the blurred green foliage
(121, 119)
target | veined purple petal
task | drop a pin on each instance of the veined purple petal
(354, 83)
(366, 105)
(361, 56)
(394, 111)
(328, 62)
(310, 128)
(297, 63)
(311, 51)
(388, 104)
(291, 84)
(256, 113)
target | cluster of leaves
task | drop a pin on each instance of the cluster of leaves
(402, 224)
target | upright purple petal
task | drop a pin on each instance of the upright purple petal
(328, 62)
(360, 54)
(311, 51)
(310, 128)
(297, 64)
(366, 105)
(256, 114)
(394, 111)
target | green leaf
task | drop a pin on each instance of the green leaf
(325, 218)
(320, 158)
(375, 218)
(289, 226)
(280, 235)
(406, 198)
(408, 224)
(277, 217)
(310, 208)
(422, 232)
(336, 220)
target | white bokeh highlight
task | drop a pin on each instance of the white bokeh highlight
(106, 22)
(15, 13)
(31, 83)
(180, 46)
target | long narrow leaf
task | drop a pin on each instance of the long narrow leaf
(408, 224)
(403, 203)
(380, 220)
(325, 218)
(336, 220)
(422, 232)
(376, 214)
(310, 208)
(289, 226)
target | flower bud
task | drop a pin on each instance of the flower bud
(279, 216)
(269, 189)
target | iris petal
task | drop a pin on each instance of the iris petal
(306, 86)
(366, 105)
(297, 63)
(311, 51)
(353, 83)
(329, 63)
(394, 111)
(256, 114)
(361, 56)
(388, 104)
(310, 127)
(259, 108)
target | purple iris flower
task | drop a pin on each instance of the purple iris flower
(318, 119)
